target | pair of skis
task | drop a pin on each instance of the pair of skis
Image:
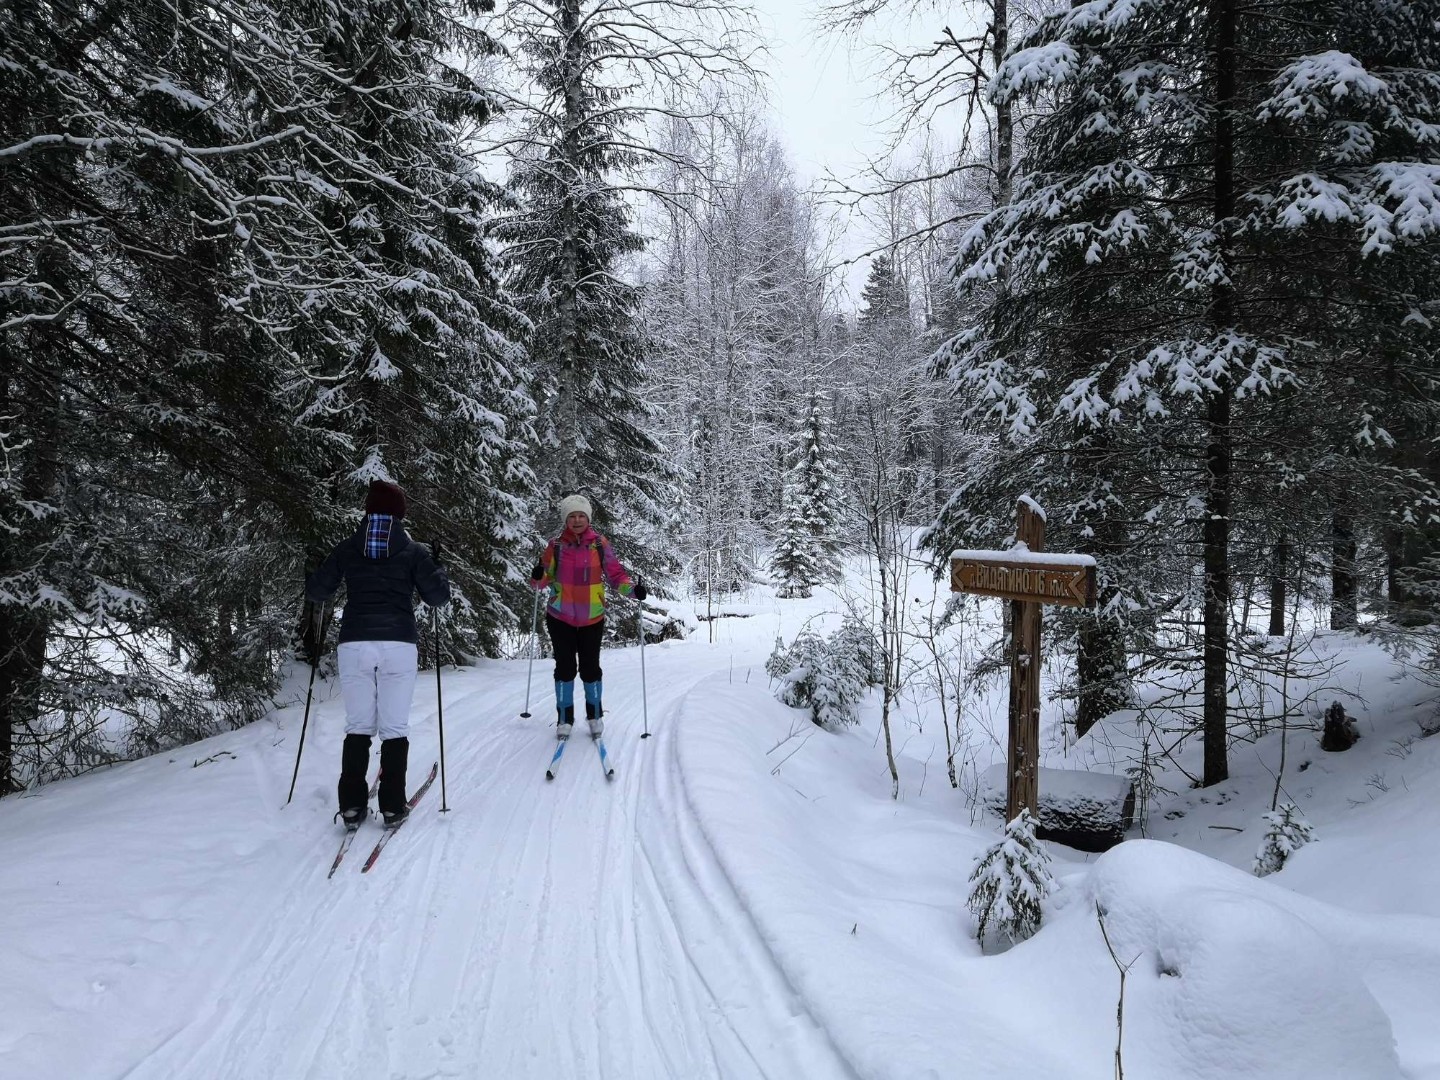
(349, 837)
(605, 765)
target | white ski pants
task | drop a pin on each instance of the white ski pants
(377, 681)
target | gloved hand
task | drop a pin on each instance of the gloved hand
(537, 573)
(640, 592)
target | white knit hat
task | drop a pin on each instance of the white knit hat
(575, 504)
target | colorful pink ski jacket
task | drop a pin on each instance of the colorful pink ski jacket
(581, 571)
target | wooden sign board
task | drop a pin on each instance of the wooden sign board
(1002, 574)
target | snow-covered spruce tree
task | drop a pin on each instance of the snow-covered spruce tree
(830, 676)
(791, 562)
(1009, 883)
(1286, 831)
(410, 360)
(1210, 227)
(137, 404)
(581, 142)
(807, 549)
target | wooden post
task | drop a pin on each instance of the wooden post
(1026, 577)
(1022, 788)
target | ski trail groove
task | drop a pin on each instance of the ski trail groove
(580, 929)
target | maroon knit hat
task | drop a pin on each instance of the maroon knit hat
(385, 498)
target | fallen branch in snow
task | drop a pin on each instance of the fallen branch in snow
(776, 770)
(1124, 970)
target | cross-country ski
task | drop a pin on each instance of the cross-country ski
(392, 828)
(350, 829)
(555, 759)
(605, 766)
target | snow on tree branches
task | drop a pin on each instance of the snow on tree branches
(1009, 883)
(828, 676)
(1287, 830)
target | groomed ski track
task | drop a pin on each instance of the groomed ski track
(569, 929)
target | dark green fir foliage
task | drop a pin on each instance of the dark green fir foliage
(243, 268)
(415, 370)
(1194, 316)
(1010, 882)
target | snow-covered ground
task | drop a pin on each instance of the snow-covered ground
(744, 900)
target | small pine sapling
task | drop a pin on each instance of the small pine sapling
(1009, 882)
(828, 676)
(1287, 831)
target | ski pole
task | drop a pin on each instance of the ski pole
(439, 704)
(644, 699)
(534, 648)
(317, 629)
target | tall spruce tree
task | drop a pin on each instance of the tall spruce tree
(131, 391)
(1221, 213)
(412, 361)
(807, 549)
(568, 241)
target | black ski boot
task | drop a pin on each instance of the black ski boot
(394, 756)
(352, 790)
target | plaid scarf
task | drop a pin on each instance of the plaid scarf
(377, 535)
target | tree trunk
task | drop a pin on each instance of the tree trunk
(890, 615)
(1102, 670)
(1344, 612)
(25, 631)
(1215, 532)
(568, 300)
(1404, 552)
(1004, 125)
(1278, 570)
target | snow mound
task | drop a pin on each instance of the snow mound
(1226, 979)
(860, 901)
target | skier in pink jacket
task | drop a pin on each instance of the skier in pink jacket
(576, 566)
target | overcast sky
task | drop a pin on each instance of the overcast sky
(821, 94)
(826, 101)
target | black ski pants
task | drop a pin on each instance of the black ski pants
(576, 647)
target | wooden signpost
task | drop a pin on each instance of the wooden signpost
(1027, 576)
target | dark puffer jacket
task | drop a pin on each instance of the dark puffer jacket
(380, 577)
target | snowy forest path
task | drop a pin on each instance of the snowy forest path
(572, 929)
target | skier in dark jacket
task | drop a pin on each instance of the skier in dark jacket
(382, 568)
